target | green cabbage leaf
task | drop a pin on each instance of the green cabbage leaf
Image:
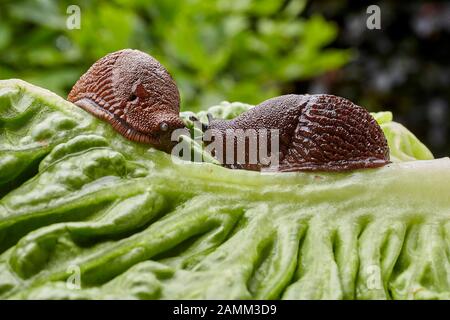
(87, 214)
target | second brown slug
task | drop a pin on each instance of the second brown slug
(134, 93)
(316, 133)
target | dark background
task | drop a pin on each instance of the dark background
(250, 50)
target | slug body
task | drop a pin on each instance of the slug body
(138, 97)
(316, 133)
(134, 93)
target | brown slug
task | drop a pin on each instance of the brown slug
(134, 93)
(316, 133)
(137, 96)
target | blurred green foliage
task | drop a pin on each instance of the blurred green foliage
(245, 50)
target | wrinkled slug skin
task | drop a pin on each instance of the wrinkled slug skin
(316, 132)
(88, 214)
(134, 93)
(137, 96)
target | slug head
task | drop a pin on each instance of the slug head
(135, 93)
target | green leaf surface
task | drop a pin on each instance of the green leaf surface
(80, 202)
